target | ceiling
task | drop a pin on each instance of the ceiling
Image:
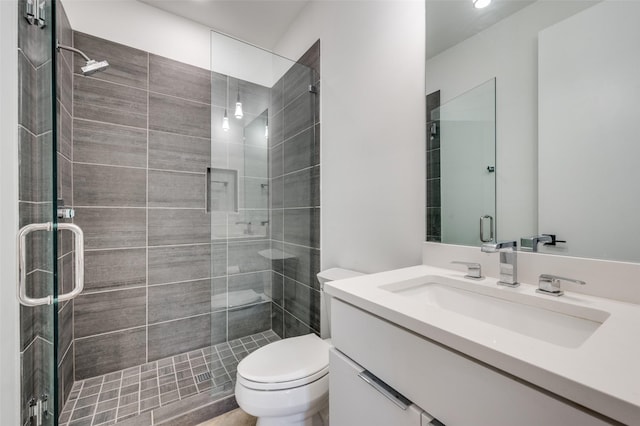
(264, 22)
(259, 22)
(451, 21)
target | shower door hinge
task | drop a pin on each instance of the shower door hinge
(35, 12)
(38, 409)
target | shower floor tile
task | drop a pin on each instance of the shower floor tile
(119, 396)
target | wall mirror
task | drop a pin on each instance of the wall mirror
(567, 116)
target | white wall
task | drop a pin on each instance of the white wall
(589, 151)
(145, 27)
(373, 128)
(9, 318)
(142, 26)
(507, 51)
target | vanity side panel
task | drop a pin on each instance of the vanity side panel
(450, 387)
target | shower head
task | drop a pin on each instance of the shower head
(94, 66)
(91, 66)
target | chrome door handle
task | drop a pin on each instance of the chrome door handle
(22, 263)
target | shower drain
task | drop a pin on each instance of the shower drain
(202, 377)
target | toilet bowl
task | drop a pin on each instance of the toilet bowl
(286, 383)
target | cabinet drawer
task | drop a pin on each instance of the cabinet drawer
(353, 401)
(455, 389)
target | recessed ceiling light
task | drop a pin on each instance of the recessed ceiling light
(479, 4)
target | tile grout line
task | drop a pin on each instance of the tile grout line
(147, 227)
(73, 409)
(119, 166)
(193, 377)
(157, 387)
(175, 375)
(118, 397)
(95, 408)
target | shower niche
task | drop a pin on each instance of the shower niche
(222, 190)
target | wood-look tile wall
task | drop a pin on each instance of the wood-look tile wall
(433, 222)
(141, 145)
(295, 197)
(142, 139)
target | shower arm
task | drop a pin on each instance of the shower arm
(72, 49)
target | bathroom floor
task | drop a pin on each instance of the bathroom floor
(114, 397)
(235, 417)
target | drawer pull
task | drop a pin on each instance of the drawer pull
(386, 390)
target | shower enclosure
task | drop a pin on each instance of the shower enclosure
(200, 244)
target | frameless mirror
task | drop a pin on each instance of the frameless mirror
(566, 86)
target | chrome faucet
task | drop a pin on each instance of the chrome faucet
(508, 261)
(550, 284)
(531, 243)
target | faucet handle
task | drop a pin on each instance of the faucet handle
(474, 270)
(550, 284)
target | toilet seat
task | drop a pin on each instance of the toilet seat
(285, 364)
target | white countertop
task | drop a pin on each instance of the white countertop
(602, 374)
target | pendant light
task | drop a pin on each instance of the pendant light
(238, 114)
(479, 4)
(225, 119)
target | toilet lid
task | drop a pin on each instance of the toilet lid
(287, 360)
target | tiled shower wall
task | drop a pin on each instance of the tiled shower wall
(294, 150)
(433, 225)
(141, 146)
(154, 271)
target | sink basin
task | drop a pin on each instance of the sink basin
(551, 321)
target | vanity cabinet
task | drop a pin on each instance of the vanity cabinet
(455, 389)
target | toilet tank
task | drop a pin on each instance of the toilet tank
(332, 274)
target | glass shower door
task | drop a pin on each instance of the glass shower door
(467, 166)
(37, 242)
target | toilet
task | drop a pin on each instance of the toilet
(286, 383)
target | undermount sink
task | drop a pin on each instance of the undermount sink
(552, 321)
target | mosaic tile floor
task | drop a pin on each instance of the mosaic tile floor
(114, 397)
